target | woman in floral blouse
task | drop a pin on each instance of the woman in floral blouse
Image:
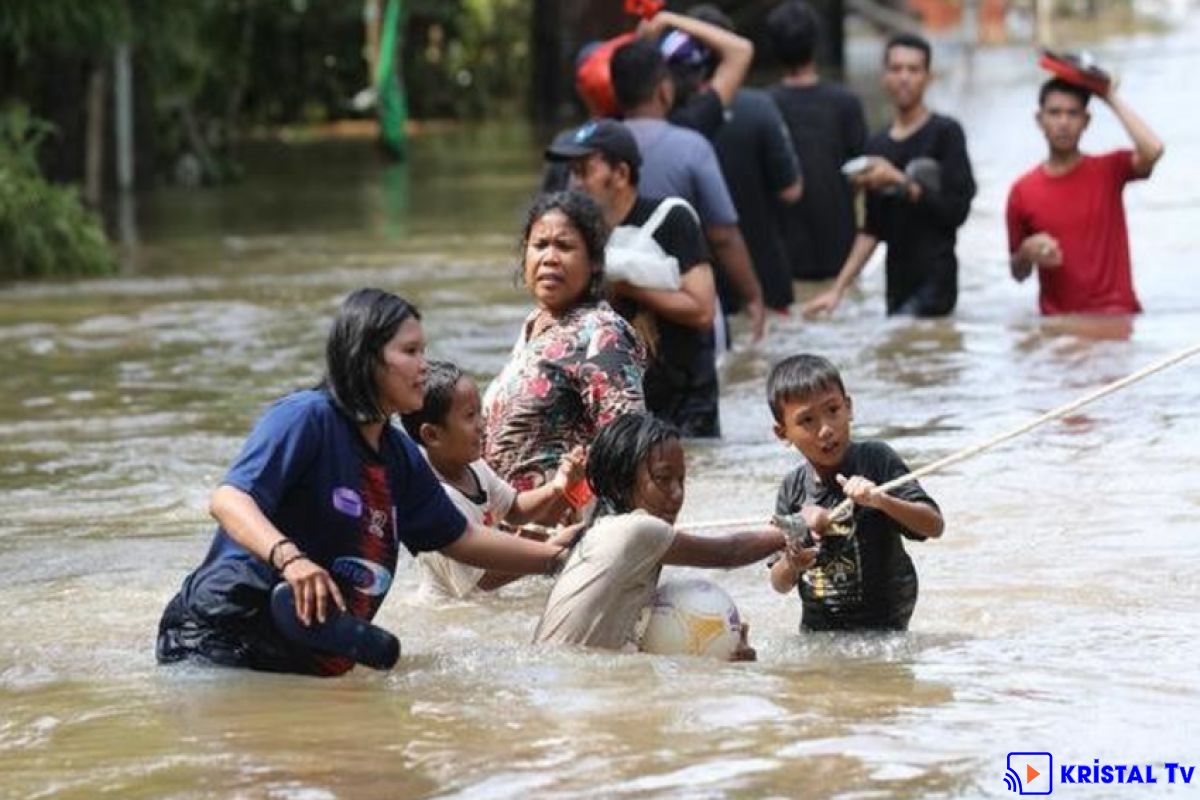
(577, 364)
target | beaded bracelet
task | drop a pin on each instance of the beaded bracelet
(274, 549)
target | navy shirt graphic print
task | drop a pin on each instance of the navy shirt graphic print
(365, 574)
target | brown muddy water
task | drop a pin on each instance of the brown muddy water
(1058, 614)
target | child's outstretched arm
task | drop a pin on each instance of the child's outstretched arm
(547, 503)
(564, 537)
(731, 550)
(806, 525)
(786, 572)
(920, 518)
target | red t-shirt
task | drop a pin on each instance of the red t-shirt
(1084, 212)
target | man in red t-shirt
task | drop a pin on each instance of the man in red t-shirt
(1066, 216)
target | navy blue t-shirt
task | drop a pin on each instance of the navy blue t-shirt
(347, 506)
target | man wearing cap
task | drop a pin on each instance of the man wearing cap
(660, 275)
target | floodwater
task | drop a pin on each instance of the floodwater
(1058, 614)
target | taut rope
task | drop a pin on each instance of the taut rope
(843, 508)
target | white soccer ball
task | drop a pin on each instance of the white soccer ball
(692, 617)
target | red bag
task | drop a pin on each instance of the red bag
(643, 8)
(592, 79)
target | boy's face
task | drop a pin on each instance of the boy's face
(818, 425)
(658, 487)
(1063, 118)
(459, 438)
(905, 76)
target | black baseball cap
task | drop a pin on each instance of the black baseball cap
(605, 136)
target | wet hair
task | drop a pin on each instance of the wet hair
(440, 380)
(585, 216)
(617, 451)
(799, 377)
(1059, 86)
(366, 321)
(794, 31)
(911, 41)
(636, 70)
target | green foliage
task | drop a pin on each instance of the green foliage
(208, 71)
(44, 229)
(466, 58)
(61, 26)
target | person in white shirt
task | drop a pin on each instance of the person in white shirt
(449, 429)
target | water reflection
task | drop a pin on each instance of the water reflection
(1066, 573)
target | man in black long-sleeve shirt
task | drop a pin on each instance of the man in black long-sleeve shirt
(919, 186)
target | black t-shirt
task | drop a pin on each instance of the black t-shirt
(703, 112)
(922, 270)
(870, 582)
(828, 128)
(680, 383)
(758, 162)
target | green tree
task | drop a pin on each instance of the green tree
(44, 229)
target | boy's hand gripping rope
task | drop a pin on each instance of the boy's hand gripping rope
(843, 512)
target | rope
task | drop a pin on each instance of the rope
(844, 507)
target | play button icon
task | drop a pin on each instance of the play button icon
(1030, 773)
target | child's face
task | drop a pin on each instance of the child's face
(818, 425)
(459, 438)
(658, 487)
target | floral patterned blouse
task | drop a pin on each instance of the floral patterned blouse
(558, 389)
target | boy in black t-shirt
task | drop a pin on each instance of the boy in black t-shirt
(919, 188)
(863, 581)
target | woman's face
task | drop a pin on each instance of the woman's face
(658, 485)
(557, 267)
(400, 374)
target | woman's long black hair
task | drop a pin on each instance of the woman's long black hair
(617, 451)
(366, 321)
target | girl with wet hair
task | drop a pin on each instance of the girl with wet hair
(618, 453)
(321, 497)
(577, 364)
(637, 471)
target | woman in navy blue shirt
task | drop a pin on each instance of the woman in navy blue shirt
(321, 496)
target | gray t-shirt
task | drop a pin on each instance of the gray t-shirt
(607, 581)
(677, 162)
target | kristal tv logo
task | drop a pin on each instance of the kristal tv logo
(1030, 773)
